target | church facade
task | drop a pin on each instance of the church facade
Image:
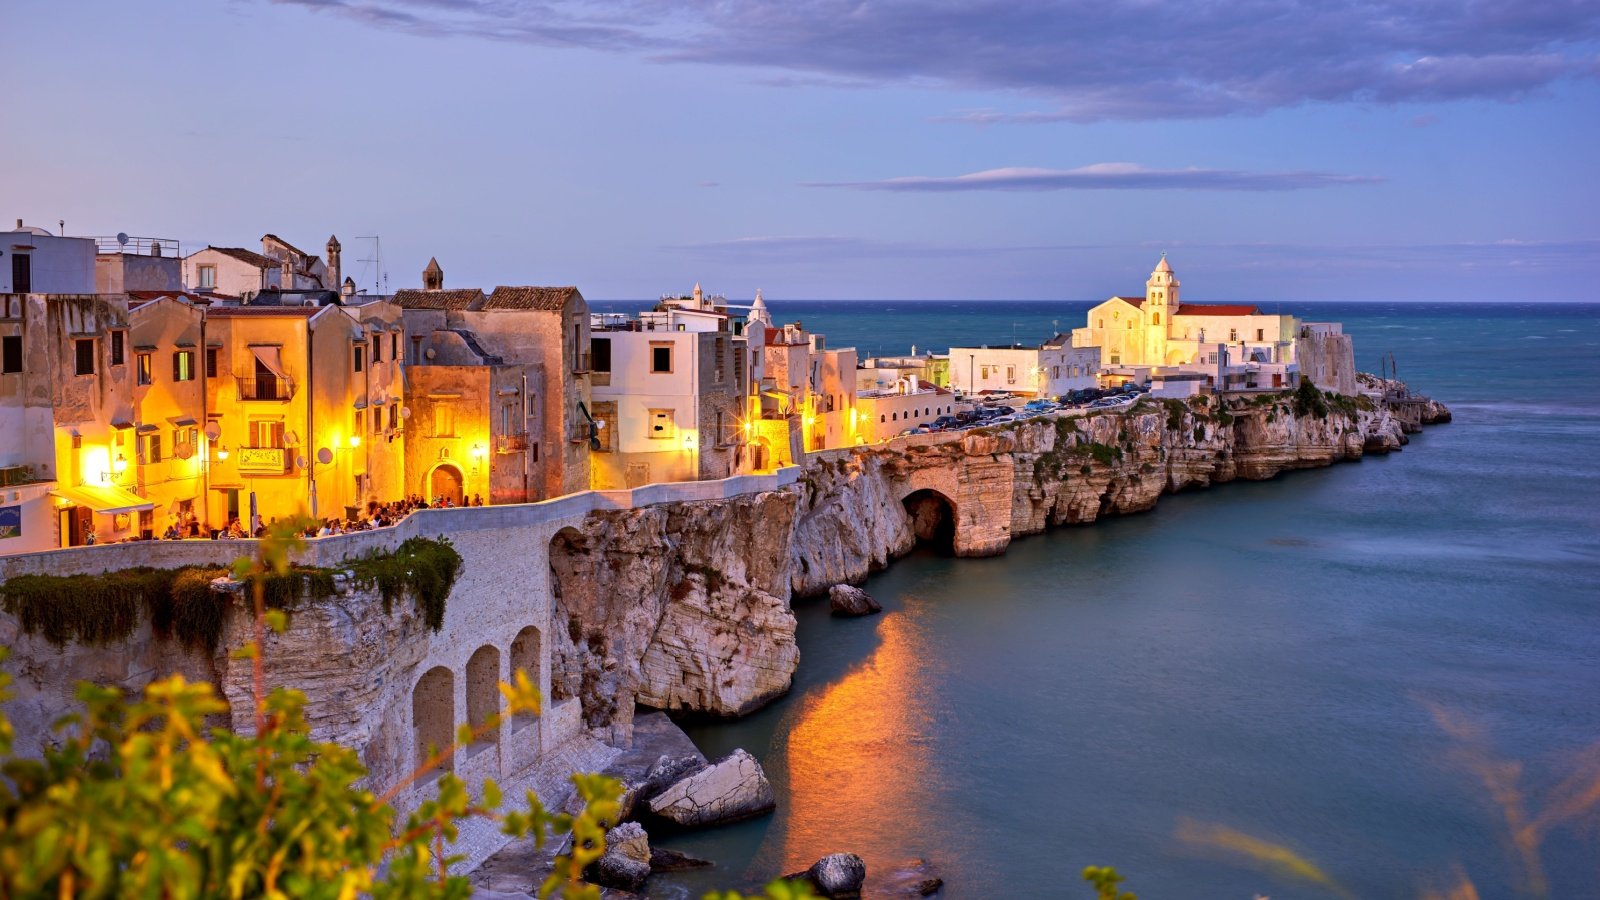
(1158, 329)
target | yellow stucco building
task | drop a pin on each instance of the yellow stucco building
(1158, 329)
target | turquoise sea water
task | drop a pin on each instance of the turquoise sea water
(1315, 661)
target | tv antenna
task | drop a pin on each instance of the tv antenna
(380, 278)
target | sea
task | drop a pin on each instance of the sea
(1356, 681)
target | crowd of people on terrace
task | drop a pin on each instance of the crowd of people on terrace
(374, 515)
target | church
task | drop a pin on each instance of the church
(1158, 329)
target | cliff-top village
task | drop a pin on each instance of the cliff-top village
(203, 395)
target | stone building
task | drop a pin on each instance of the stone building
(813, 385)
(521, 430)
(237, 272)
(168, 336)
(1157, 329)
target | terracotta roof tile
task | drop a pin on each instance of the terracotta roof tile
(540, 298)
(1136, 301)
(304, 312)
(1218, 309)
(457, 298)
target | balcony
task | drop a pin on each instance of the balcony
(265, 387)
(262, 460)
(511, 443)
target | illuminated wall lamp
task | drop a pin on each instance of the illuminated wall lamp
(222, 452)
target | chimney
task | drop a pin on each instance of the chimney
(333, 260)
(433, 276)
(348, 289)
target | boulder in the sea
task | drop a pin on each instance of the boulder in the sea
(849, 600)
(664, 860)
(731, 789)
(837, 876)
(916, 878)
(626, 862)
(668, 769)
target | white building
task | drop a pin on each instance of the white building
(670, 391)
(34, 261)
(884, 412)
(237, 272)
(1047, 370)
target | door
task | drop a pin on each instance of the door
(79, 522)
(21, 273)
(446, 484)
(638, 474)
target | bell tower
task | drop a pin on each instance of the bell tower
(1161, 291)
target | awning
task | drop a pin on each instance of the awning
(270, 357)
(181, 421)
(104, 498)
(149, 429)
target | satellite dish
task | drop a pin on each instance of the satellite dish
(324, 456)
(428, 353)
(300, 462)
(184, 451)
(213, 431)
(122, 238)
(405, 412)
(290, 439)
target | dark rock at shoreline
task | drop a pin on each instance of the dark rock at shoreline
(915, 878)
(837, 876)
(848, 600)
(663, 860)
(731, 789)
(626, 863)
(636, 796)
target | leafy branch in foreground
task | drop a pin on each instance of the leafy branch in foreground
(138, 797)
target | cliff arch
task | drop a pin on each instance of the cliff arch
(933, 519)
(525, 658)
(483, 694)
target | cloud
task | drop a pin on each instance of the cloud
(1106, 176)
(1088, 59)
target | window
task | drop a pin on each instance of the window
(720, 350)
(600, 351)
(444, 420)
(1261, 334)
(377, 348)
(394, 415)
(116, 347)
(212, 354)
(1011, 374)
(183, 365)
(84, 347)
(1233, 334)
(360, 424)
(660, 359)
(142, 364)
(662, 426)
(394, 346)
(358, 357)
(151, 450)
(11, 353)
(416, 350)
(1099, 323)
(21, 273)
(266, 433)
(185, 441)
(208, 277)
(1155, 319)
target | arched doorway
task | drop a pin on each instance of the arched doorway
(933, 519)
(445, 482)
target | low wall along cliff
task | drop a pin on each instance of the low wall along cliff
(669, 596)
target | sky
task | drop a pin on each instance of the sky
(820, 149)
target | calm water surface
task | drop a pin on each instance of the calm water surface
(1273, 658)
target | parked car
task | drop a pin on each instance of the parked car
(944, 422)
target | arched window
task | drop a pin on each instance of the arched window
(1155, 319)
(483, 694)
(1130, 324)
(882, 419)
(433, 715)
(525, 658)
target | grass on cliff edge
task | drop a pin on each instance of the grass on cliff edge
(180, 603)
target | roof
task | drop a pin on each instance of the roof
(304, 312)
(286, 245)
(103, 498)
(1136, 301)
(1163, 266)
(540, 298)
(1218, 309)
(140, 298)
(458, 298)
(246, 256)
(299, 297)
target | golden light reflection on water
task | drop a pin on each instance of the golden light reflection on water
(857, 759)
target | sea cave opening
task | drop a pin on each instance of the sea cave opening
(933, 520)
